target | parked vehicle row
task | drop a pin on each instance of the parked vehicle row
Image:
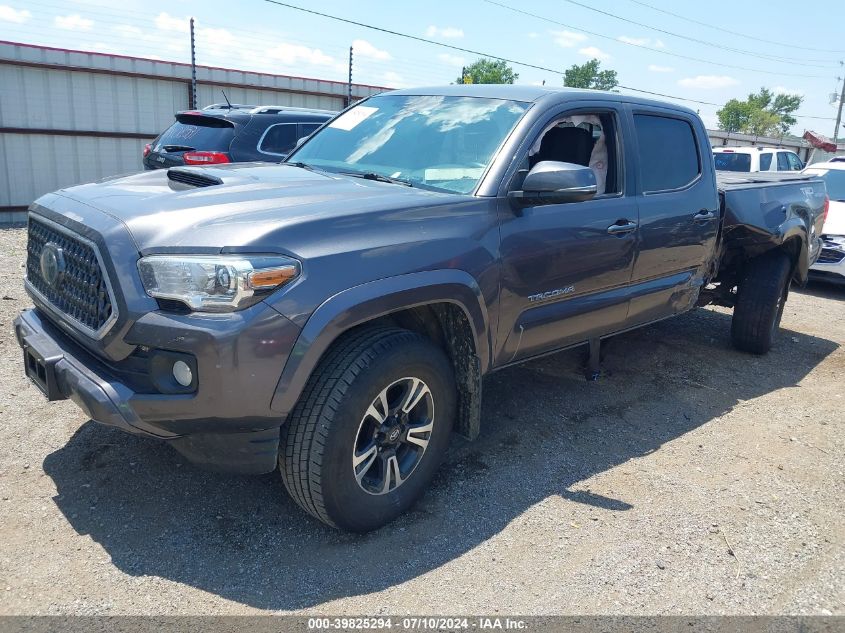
(333, 315)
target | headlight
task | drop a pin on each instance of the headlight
(215, 283)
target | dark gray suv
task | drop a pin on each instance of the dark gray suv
(239, 134)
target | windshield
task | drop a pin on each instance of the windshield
(731, 161)
(434, 142)
(834, 180)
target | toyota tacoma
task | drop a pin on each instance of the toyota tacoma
(333, 316)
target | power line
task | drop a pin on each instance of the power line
(745, 35)
(777, 58)
(648, 48)
(415, 64)
(490, 55)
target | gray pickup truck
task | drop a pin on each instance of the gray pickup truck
(334, 315)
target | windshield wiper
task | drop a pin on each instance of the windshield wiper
(369, 175)
(177, 148)
(300, 164)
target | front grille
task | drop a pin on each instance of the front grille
(831, 256)
(77, 287)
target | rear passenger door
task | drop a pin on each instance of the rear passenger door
(679, 213)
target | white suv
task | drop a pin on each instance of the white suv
(756, 159)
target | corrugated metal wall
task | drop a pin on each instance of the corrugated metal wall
(68, 117)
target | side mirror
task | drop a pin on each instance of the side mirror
(301, 140)
(551, 182)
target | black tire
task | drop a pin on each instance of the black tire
(322, 431)
(761, 297)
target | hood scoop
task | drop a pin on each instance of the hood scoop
(190, 178)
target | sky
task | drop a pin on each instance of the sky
(688, 55)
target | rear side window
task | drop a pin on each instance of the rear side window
(278, 139)
(307, 129)
(668, 152)
(729, 161)
(765, 162)
(197, 133)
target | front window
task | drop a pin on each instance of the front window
(834, 180)
(434, 142)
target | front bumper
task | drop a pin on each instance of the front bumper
(225, 424)
(831, 263)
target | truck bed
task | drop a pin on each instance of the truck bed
(761, 211)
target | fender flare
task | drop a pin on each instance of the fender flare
(797, 230)
(371, 300)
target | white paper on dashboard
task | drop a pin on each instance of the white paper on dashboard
(349, 120)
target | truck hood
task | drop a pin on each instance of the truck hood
(253, 201)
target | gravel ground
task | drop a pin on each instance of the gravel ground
(624, 496)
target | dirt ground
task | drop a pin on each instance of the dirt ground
(691, 479)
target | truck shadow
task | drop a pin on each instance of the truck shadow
(823, 290)
(544, 431)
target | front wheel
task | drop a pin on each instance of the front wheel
(370, 428)
(761, 297)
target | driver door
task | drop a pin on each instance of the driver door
(566, 268)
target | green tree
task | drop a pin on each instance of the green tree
(763, 123)
(488, 71)
(735, 115)
(588, 75)
(763, 113)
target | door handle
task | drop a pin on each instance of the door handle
(622, 227)
(703, 216)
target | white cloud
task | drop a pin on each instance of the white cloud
(447, 32)
(290, 54)
(782, 90)
(73, 22)
(568, 39)
(217, 37)
(166, 22)
(365, 49)
(452, 60)
(708, 82)
(393, 80)
(10, 14)
(594, 53)
(660, 69)
(533, 35)
(641, 41)
(636, 41)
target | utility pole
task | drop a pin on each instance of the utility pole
(463, 74)
(839, 112)
(193, 105)
(349, 87)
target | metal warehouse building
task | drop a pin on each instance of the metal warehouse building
(68, 117)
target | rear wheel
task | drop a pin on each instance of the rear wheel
(370, 429)
(761, 297)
